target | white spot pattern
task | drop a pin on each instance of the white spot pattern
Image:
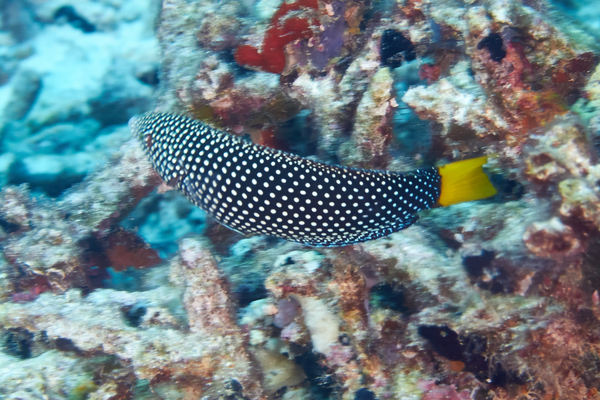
(180, 149)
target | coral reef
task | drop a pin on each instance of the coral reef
(111, 290)
(56, 244)
(195, 356)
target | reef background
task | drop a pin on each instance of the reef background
(113, 288)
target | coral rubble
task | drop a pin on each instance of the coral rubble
(102, 296)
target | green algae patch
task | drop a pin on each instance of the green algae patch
(82, 390)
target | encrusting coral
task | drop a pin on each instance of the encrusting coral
(202, 354)
(52, 242)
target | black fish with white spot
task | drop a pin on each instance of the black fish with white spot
(254, 189)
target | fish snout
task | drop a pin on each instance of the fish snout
(134, 126)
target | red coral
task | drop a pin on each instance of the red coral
(126, 249)
(283, 29)
(31, 295)
(413, 10)
(570, 76)
(514, 80)
(120, 250)
(430, 72)
(268, 138)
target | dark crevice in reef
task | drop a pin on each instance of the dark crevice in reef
(395, 48)
(9, 227)
(134, 314)
(494, 44)
(364, 394)
(321, 381)
(489, 273)
(508, 189)
(591, 267)
(443, 340)
(475, 265)
(70, 15)
(246, 294)
(17, 342)
(64, 344)
(471, 350)
(393, 298)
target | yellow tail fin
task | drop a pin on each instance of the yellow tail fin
(464, 181)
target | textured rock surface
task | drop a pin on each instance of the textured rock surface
(202, 353)
(497, 299)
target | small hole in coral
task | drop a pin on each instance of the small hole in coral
(64, 344)
(17, 343)
(476, 264)
(344, 339)
(494, 44)
(396, 48)
(322, 382)
(364, 394)
(134, 314)
(508, 189)
(386, 296)
(246, 294)
(234, 386)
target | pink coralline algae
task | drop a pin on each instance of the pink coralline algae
(29, 296)
(287, 310)
(432, 391)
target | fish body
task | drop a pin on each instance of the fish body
(254, 189)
